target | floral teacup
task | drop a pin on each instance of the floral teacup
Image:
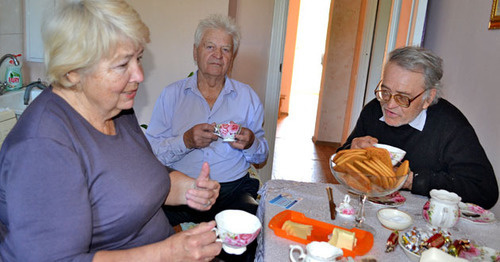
(236, 229)
(227, 131)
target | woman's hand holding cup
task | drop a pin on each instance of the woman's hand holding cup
(195, 244)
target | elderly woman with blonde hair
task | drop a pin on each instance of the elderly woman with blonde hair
(78, 178)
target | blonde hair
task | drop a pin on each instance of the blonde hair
(82, 32)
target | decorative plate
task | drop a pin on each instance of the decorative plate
(425, 210)
(395, 199)
(476, 214)
(480, 254)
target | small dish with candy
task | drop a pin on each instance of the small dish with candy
(416, 241)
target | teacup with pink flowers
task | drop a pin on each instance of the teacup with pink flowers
(236, 229)
(227, 131)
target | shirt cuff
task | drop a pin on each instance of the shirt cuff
(253, 148)
(420, 185)
(177, 147)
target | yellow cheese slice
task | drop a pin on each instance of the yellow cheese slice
(296, 229)
(343, 239)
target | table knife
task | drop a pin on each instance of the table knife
(331, 203)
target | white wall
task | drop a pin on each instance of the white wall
(457, 30)
(250, 66)
(169, 56)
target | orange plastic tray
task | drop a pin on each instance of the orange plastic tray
(320, 232)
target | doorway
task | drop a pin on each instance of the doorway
(356, 87)
(297, 118)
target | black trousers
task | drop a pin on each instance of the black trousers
(239, 194)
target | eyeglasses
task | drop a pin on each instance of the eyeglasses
(385, 96)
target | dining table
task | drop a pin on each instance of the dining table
(311, 199)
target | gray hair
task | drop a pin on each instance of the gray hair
(421, 60)
(217, 21)
(82, 32)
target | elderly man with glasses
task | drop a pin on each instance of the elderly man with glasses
(441, 145)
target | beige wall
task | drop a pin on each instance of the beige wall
(341, 42)
(11, 27)
(457, 30)
(255, 19)
(169, 56)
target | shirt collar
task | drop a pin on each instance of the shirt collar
(193, 80)
(417, 123)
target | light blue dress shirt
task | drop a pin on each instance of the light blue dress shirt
(181, 106)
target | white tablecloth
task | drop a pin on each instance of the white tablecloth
(315, 205)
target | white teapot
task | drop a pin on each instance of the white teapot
(316, 252)
(443, 208)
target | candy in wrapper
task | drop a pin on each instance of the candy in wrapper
(392, 241)
(458, 246)
(437, 241)
(405, 239)
(454, 250)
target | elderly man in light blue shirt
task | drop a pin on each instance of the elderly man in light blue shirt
(181, 131)
(181, 106)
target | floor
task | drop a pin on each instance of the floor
(296, 157)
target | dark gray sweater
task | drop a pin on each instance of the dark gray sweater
(446, 154)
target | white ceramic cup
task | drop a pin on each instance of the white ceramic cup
(316, 252)
(397, 154)
(236, 229)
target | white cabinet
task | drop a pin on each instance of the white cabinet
(35, 11)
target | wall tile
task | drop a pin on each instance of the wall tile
(11, 44)
(11, 17)
(32, 71)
